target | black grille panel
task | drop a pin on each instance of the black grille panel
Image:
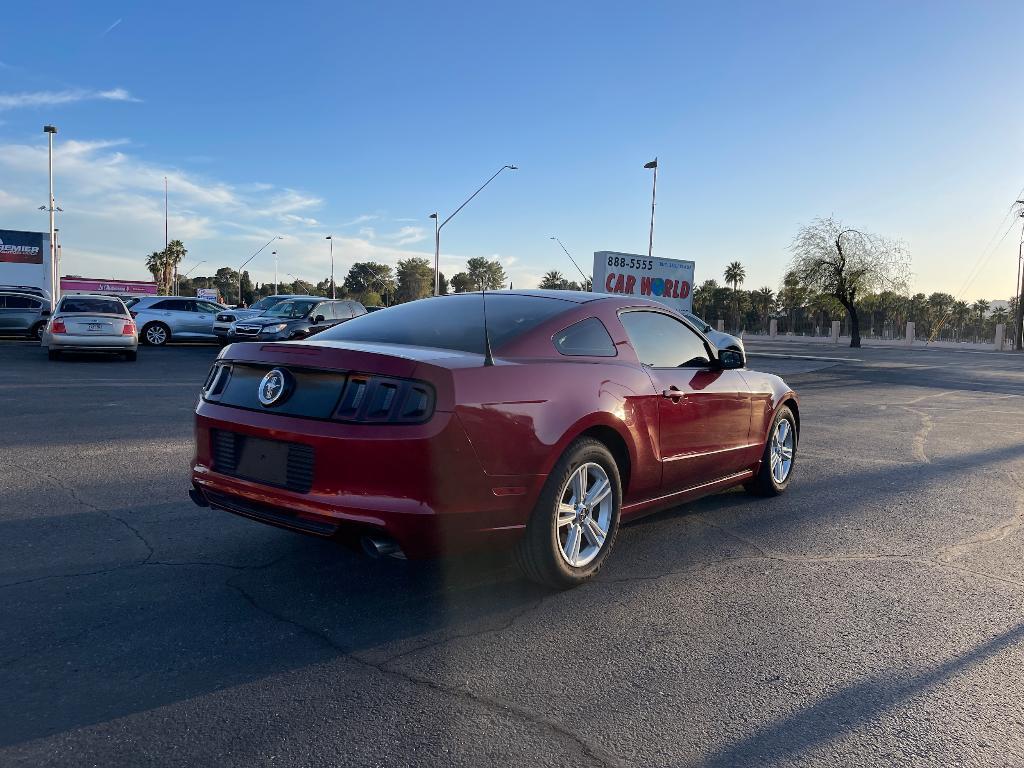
(299, 460)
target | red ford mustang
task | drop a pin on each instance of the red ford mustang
(535, 419)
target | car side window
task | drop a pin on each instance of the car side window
(586, 338)
(325, 309)
(661, 341)
(205, 306)
(19, 302)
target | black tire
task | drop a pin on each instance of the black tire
(37, 331)
(155, 334)
(53, 354)
(765, 482)
(131, 357)
(539, 552)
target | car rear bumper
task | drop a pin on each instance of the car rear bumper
(93, 343)
(421, 485)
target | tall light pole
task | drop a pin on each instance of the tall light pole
(333, 292)
(439, 227)
(1018, 324)
(242, 266)
(274, 254)
(437, 254)
(50, 130)
(585, 278)
(166, 242)
(654, 193)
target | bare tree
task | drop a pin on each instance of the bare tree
(847, 263)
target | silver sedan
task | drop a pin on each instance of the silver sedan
(91, 324)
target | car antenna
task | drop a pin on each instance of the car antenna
(488, 355)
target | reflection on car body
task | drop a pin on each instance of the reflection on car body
(575, 411)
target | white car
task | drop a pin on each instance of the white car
(720, 339)
(87, 323)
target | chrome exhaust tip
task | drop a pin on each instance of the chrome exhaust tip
(381, 546)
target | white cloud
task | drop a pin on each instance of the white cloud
(407, 235)
(66, 96)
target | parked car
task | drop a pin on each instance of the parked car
(720, 339)
(23, 314)
(424, 430)
(163, 318)
(85, 323)
(29, 289)
(295, 319)
(222, 323)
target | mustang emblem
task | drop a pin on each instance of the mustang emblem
(274, 387)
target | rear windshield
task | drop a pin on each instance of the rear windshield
(92, 305)
(451, 322)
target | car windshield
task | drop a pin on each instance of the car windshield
(696, 320)
(292, 309)
(267, 302)
(451, 322)
(91, 305)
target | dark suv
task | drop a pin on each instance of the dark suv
(295, 319)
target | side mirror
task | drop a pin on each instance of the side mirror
(319, 319)
(730, 359)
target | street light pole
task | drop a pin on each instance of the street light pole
(437, 235)
(50, 130)
(585, 278)
(437, 254)
(242, 266)
(654, 193)
(1018, 325)
(333, 292)
(274, 254)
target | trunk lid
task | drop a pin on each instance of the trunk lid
(95, 324)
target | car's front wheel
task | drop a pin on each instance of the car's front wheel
(573, 527)
(779, 456)
(156, 334)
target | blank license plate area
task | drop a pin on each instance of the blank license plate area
(262, 460)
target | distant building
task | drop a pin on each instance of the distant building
(75, 284)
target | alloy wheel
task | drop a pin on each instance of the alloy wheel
(585, 508)
(156, 335)
(782, 451)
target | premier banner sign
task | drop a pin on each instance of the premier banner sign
(669, 281)
(21, 247)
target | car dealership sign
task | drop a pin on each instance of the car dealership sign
(669, 281)
(21, 247)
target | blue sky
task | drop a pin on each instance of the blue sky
(360, 119)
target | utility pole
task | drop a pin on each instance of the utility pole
(165, 238)
(50, 130)
(333, 292)
(1018, 325)
(654, 193)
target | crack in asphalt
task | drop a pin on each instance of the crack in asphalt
(73, 493)
(499, 706)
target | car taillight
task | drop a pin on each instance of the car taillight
(369, 399)
(58, 326)
(129, 329)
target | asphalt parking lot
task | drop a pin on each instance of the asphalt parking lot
(871, 616)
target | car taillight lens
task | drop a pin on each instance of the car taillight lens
(369, 399)
(129, 329)
(58, 326)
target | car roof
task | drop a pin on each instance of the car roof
(36, 296)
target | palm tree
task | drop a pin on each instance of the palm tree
(764, 299)
(980, 307)
(961, 311)
(553, 280)
(736, 274)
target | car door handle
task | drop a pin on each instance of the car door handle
(674, 394)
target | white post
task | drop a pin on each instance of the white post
(720, 325)
(773, 327)
(910, 332)
(1000, 335)
(835, 331)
